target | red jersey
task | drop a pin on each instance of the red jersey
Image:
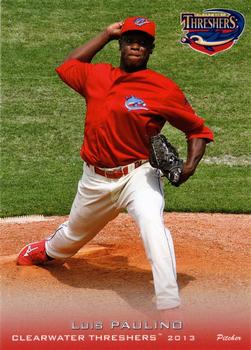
(125, 109)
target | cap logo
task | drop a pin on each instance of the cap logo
(140, 21)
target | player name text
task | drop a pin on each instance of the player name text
(134, 325)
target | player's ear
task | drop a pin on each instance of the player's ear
(120, 44)
(152, 48)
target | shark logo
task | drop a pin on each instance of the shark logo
(133, 103)
(214, 31)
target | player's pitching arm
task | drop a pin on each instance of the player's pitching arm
(86, 52)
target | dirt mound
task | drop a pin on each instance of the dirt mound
(110, 278)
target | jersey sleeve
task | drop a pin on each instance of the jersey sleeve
(75, 74)
(179, 113)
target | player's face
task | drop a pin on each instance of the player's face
(136, 48)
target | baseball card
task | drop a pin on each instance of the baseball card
(125, 205)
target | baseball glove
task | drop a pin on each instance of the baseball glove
(165, 157)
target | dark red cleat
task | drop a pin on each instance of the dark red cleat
(33, 254)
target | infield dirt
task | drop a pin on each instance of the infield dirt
(111, 277)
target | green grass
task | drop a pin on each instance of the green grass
(212, 189)
(42, 119)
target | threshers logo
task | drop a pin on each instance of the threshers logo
(140, 21)
(213, 31)
(133, 103)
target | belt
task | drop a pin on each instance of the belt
(116, 173)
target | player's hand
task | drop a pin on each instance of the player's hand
(187, 171)
(114, 30)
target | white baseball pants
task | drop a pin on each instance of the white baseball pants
(100, 199)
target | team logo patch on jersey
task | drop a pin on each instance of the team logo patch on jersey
(140, 21)
(133, 103)
(213, 31)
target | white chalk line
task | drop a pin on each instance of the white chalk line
(228, 160)
(24, 219)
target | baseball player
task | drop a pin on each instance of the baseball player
(126, 105)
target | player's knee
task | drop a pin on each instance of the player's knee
(150, 222)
